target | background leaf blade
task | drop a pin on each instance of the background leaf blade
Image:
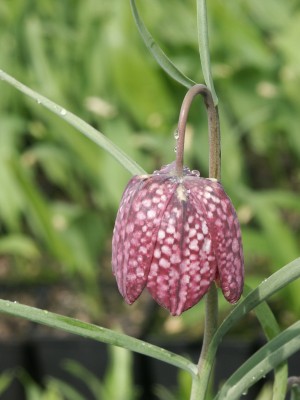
(159, 55)
(83, 127)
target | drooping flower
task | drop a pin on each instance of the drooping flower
(176, 235)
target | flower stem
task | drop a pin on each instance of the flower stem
(205, 364)
(199, 386)
(213, 128)
(211, 322)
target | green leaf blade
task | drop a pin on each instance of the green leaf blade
(95, 332)
(271, 328)
(159, 55)
(204, 47)
(263, 361)
(267, 288)
(82, 126)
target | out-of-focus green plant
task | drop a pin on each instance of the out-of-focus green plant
(256, 75)
(5, 380)
(88, 58)
(182, 391)
(119, 370)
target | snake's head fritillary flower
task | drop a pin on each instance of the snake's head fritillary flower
(176, 235)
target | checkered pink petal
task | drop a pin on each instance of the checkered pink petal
(176, 235)
(224, 227)
(142, 206)
(183, 265)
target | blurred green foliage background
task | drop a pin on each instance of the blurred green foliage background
(59, 193)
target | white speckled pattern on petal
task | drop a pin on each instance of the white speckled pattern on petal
(183, 265)
(137, 222)
(176, 235)
(223, 224)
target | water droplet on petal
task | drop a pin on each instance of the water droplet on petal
(63, 111)
(176, 135)
(195, 172)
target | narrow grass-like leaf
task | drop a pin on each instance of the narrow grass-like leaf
(159, 55)
(163, 393)
(6, 378)
(95, 332)
(267, 288)
(263, 361)
(204, 47)
(83, 374)
(83, 127)
(18, 245)
(61, 390)
(41, 214)
(120, 370)
(271, 329)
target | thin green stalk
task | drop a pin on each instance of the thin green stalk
(211, 315)
(211, 323)
(205, 364)
(198, 391)
(213, 129)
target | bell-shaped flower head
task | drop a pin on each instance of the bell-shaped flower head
(175, 234)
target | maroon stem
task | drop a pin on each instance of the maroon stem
(213, 129)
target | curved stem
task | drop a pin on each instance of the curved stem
(205, 364)
(213, 129)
